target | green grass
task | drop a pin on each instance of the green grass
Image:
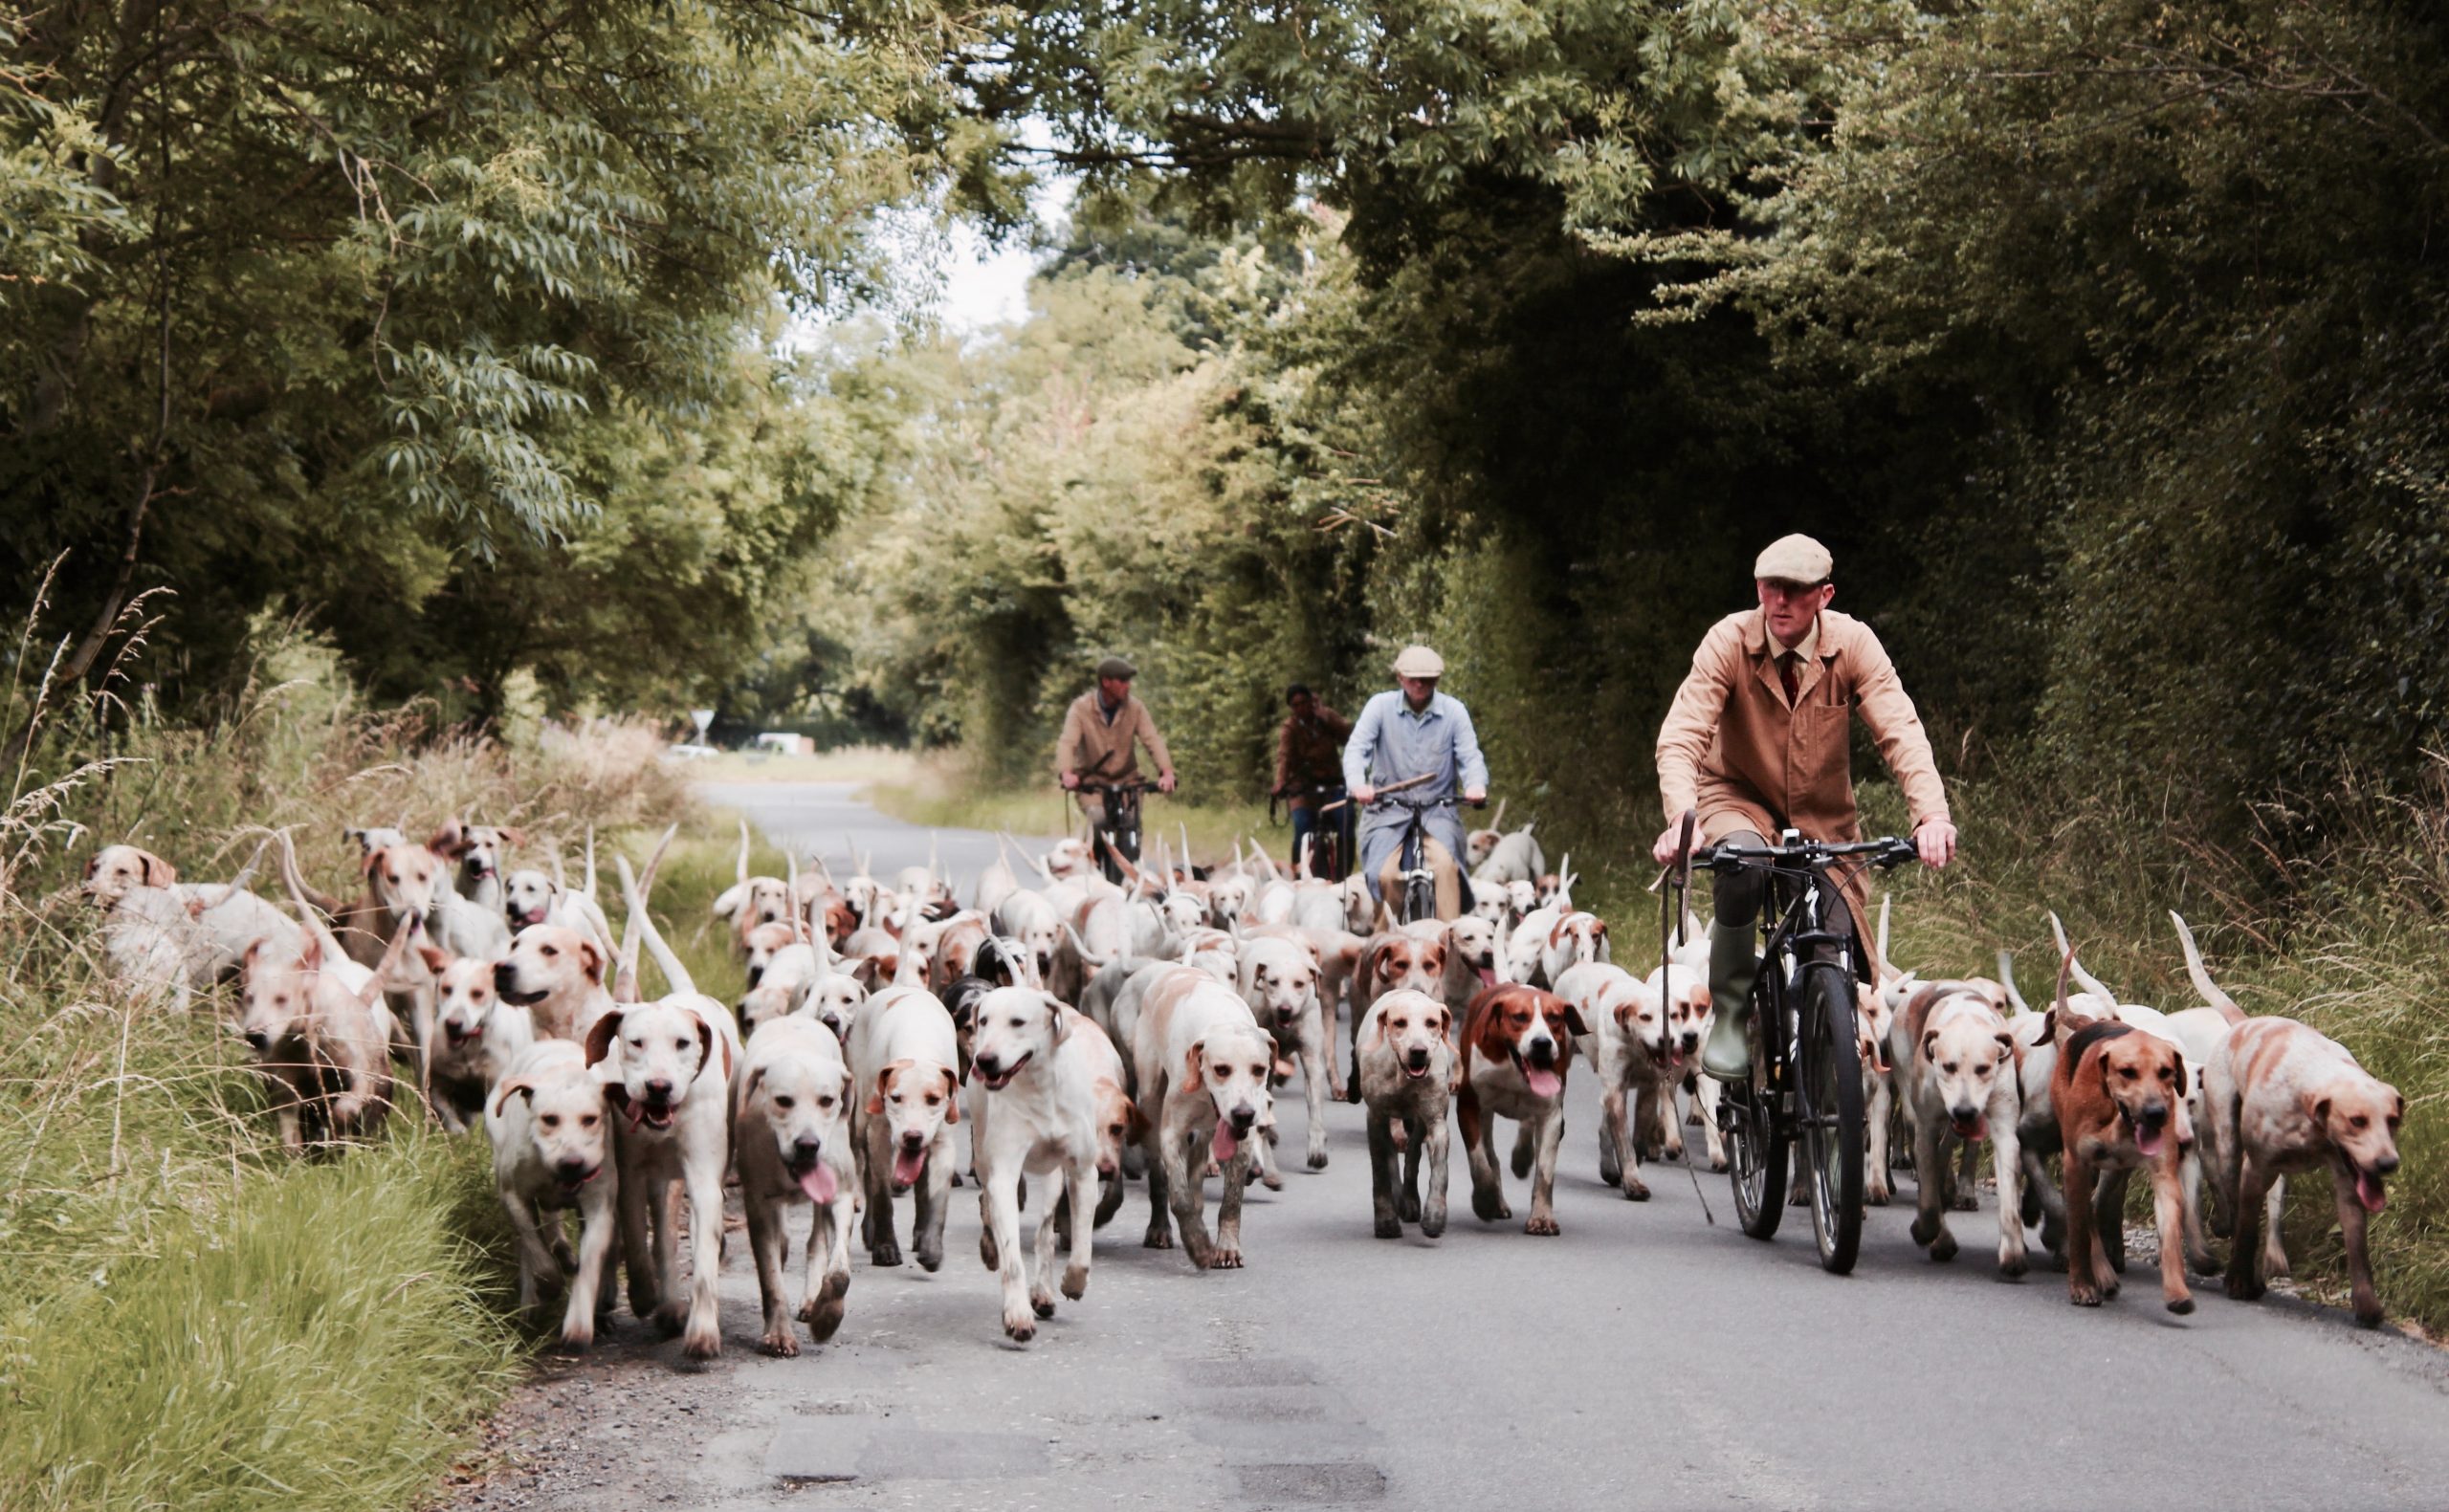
(189, 1317)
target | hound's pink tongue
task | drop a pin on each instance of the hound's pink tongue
(819, 1183)
(1543, 1083)
(1224, 1146)
(908, 1165)
(1487, 976)
(2368, 1191)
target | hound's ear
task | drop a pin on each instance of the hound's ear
(2007, 1043)
(952, 1098)
(2179, 1057)
(310, 954)
(600, 1035)
(449, 841)
(434, 960)
(875, 1099)
(1931, 1044)
(2397, 1107)
(501, 1094)
(1373, 1032)
(1444, 1021)
(93, 864)
(157, 873)
(1191, 1063)
(706, 1047)
(1135, 1125)
(511, 838)
(748, 1088)
(373, 860)
(591, 960)
(2319, 1110)
(1574, 1024)
(1054, 1011)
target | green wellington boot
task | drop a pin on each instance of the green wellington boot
(1732, 969)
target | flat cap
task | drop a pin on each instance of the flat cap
(1795, 559)
(1116, 667)
(1418, 661)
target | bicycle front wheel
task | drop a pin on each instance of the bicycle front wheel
(1829, 1073)
(1756, 1144)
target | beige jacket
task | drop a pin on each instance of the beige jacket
(1732, 749)
(1095, 749)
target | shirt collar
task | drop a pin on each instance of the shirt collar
(1404, 705)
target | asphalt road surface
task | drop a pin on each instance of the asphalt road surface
(1644, 1358)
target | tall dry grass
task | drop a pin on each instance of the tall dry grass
(189, 1317)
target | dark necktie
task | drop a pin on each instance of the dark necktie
(1786, 675)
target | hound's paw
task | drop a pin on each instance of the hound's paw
(1875, 1196)
(1717, 1163)
(1407, 1205)
(1389, 1226)
(644, 1306)
(1273, 1181)
(1523, 1155)
(1610, 1172)
(702, 1344)
(931, 1257)
(2202, 1262)
(2180, 1305)
(1964, 1202)
(2083, 1296)
(1636, 1189)
(2011, 1263)
(579, 1337)
(1021, 1327)
(1541, 1223)
(1487, 1205)
(783, 1340)
(671, 1317)
(1943, 1248)
(2244, 1288)
(1318, 1160)
(2370, 1318)
(823, 1317)
(885, 1255)
(955, 1179)
(1926, 1227)
(1076, 1282)
(1157, 1240)
(1225, 1258)
(1041, 1304)
(1433, 1223)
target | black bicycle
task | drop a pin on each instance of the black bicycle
(1419, 899)
(1806, 1062)
(1118, 833)
(1330, 829)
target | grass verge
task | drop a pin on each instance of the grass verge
(189, 1317)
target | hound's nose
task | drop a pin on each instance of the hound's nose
(2153, 1114)
(257, 1038)
(989, 1065)
(1541, 1053)
(2386, 1163)
(753, 973)
(1691, 1040)
(806, 1148)
(1418, 1060)
(505, 977)
(1243, 1117)
(659, 1091)
(912, 1140)
(570, 1168)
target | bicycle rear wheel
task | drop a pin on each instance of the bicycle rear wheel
(1755, 1146)
(1830, 1080)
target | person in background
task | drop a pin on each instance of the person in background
(1309, 758)
(1100, 732)
(1409, 732)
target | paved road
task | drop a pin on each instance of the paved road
(1644, 1358)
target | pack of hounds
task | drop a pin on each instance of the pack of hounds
(1085, 1034)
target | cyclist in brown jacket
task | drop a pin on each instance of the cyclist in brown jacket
(1308, 755)
(1758, 740)
(1098, 732)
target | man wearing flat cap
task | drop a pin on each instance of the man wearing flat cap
(1099, 731)
(1758, 740)
(1412, 732)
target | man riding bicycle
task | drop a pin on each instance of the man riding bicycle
(1309, 767)
(1415, 733)
(1758, 741)
(1095, 749)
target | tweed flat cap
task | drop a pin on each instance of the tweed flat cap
(1418, 661)
(1795, 559)
(1116, 667)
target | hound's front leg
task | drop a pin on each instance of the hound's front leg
(1080, 1188)
(1432, 1213)
(1179, 1164)
(1313, 1088)
(2006, 1159)
(1228, 1255)
(703, 1338)
(828, 1250)
(1004, 1203)
(766, 1242)
(599, 1218)
(1543, 1174)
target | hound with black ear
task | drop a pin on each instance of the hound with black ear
(905, 1056)
(1030, 1118)
(670, 1085)
(1279, 981)
(1204, 1065)
(791, 1138)
(1407, 1074)
(1958, 1061)
(552, 1152)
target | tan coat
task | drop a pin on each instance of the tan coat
(1733, 750)
(1095, 749)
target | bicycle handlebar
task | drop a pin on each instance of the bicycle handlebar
(1885, 852)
